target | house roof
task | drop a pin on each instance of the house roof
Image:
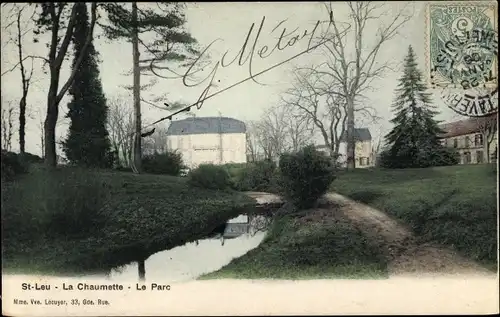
(463, 127)
(361, 134)
(206, 125)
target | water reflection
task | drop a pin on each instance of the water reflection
(191, 260)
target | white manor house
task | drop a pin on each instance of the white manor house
(213, 140)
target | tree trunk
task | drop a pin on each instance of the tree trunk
(486, 148)
(137, 85)
(142, 270)
(351, 144)
(22, 124)
(50, 123)
(42, 140)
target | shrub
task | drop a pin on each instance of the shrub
(31, 158)
(305, 176)
(258, 176)
(77, 205)
(209, 176)
(168, 163)
(73, 200)
(121, 168)
(440, 156)
(65, 203)
(446, 157)
(12, 165)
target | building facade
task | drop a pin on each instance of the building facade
(469, 138)
(363, 149)
(208, 140)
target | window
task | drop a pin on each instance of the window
(363, 161)
(467, 158)
(467, 141)
(479, 157)
(455, 142)
(478, 140)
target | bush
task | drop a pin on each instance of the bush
(441, 156)
(209, 176)
(305, 176)
(258, 176)
(74, 201)
(12, 165)
(446, 157)
(120, 168)
(65, 203)
(235, 170)
(31, 158)
(168, 163)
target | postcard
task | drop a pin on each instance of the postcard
(249, 158)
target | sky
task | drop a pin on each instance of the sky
(228, 23)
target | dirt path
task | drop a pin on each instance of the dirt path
(406, 256)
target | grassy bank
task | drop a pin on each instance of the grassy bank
(317, 245)
(143, 214)
(455, 206)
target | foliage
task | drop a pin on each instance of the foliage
(145, 214)
(121, 168)
(305, 176)
(453, 205)
(61, 205)
(313, 246)
(59, 20)
(258, 176)
(164, 22)
(12, 165)
(414, 140)
(74, 202)
(209, 176)
(168, 163)
(87, 143)
(30, 158)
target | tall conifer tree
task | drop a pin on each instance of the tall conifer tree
(87, 143)
(414, 140)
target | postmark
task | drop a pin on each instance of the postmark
(474, 102)
(462, 44)
(462, 49)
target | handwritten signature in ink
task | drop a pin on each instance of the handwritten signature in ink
(247, 54)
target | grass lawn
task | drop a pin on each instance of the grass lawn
(316, 246)
(454, 206)
(145, 214)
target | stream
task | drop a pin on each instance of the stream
(191, 260)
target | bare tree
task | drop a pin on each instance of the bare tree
(156, 142)
(37, 116)
(120, 126)
(376, 146)
(299, 131)
(7, 118)
(488, 126)
(59, 20)
(314, 104)
(271, 132)
(17, 11)
(253, 150)
(352, 61)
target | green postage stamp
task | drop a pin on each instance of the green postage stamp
(462, 49)
(462, 43)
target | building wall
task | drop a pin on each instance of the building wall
(362, 152)
(197, 149)
(471, 147)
